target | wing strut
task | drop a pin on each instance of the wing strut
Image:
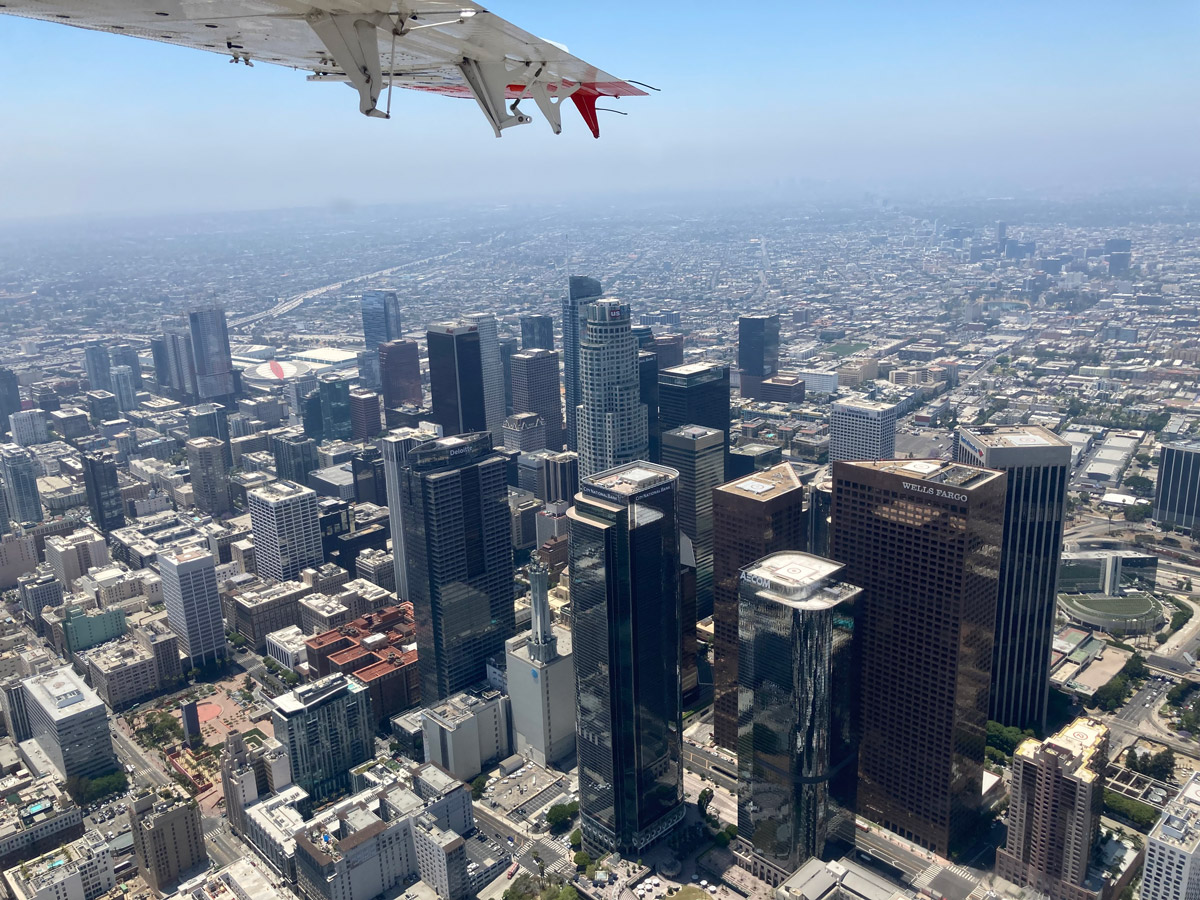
(488, 83)
(353, 42)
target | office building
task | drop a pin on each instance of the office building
(537, 332)
(365, 420)
(922, 539)
(611, 423)
(469, 732)
(189, 584)
(624, 560)
(103, 491)
(509, 346)
(582, 291)
(694, 394)
(758, 351)
(250, 772)
(1172, 870)
(20, 472)
(541, 681)
(380, 318)
(210, 475)
(28, 428)
(797, 725)
(69, 723)
(698, 454)
(535, 390)
(495, 409)
(336, 421)
(377, 567)
(98, 367)
(456, 380)
(753, 517)
(669, 349)
(524, 432)
(70, 556)
(648, 394)
(124, 389)
(400, 373)
(1177, 494)
(453, 503)
(295, 456)
(10, 394)
(125, 355)
(168, 839)
(287, 534)
(396, 446)
(215, 376)
(37, 590)
(861, 429)
(81, 869)
(1055, 802)
(327, 728)
(1038, 464)
(179, 358)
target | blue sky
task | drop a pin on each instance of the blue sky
(954, 97)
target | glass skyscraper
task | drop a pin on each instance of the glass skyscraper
(582, 291)
(215, 376)
(624, 559)
(537, 332)
(103, 491)
(380, 318)
(456, 378)
(611, 426)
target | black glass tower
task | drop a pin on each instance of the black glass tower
(456, 378)
(215, 375)
(103, 491)
(537, 332)
(694, 394)
(624, 558)
(336, 422)
(380, 318)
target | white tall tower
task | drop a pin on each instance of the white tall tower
(611, 421)
(189, 582)
(287, 531)
(493, 374)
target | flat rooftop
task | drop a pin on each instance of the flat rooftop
(950, 474)
(799, 580)
(1015, 436)
(631, 478)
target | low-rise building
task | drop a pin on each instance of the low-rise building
(123, 672)
(38, 816)
(257, 610)
(286, 646)
(80, 870)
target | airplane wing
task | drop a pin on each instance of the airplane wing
(451, 47)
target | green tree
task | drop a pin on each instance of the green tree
(582, 860)
(576, 839)
(1139, 486)
(703, 800)
(559, 816)
(1139, 512)
(478, 786)
(1141, 815)
(1112, 695)
(568, 893)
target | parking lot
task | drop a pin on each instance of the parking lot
(524, 794)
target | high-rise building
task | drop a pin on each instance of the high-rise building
(922, 538)
(250, 772)
(367, 468)
(537, 332)
(509, 346)
(327, 728)
(334, 391)
(400, 373)
(287, 533)
(758, 351)
(624, 559)
(796, 711)
(611, 421)
(210, 475)
(98, 367)
(103, 491)
(669, 348)
(753, 517)
(698, 454)
(380, 318)
(365, 422)
(28, 428)
(695, 394)
(168, 838)
(125, 355)
(20, 471)
(1055, 803)
(862, 430)
(295, 456)
(524, 432)
(1177, 495)
(123, 388)
(395, 447)
(1172, 870)
(453, 503)
(70, 724)
(456, 378)
(189, 585)
(10, 395)
(1038, 463)
(648, 394)
(180, 357)
(493, 374)
(580, 294)
(102, 406)
(215, 375)
(535, 390)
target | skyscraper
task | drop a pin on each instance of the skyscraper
(189, 583)
(648, 394)
(758, 351)
(524, 432)
(537, 332)
(456, 524)
(1172, 869)
(752, 518)
(1056, 800)
(795, 727)
(336, 424)
(125, 355)
(287, 534)
(669, 348)
(210, 475)
(380, 318)
(10, 396)
(923, 540)
(624, 559)
(698, 454)
(611, 423)
(508, 347)
(396, 446)
(694, 394)
(456, 378)
(215, 375)
(364, 415)
(103, 491)
(493, 374)
(1177, 494)
(123, 387)
(295, 456)
(1038, 463)
(180, 357)
(400, 373)
(581, 292)
(862, 429)
(20, 472)
(535, 389)
(98, 367)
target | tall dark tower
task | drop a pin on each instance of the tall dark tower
(215, 376)
(380, 318)
(456, 378)
(400, 373)
(103, 491)
(624, 557)
(98, 367)
(537, 332)
(458, 553)
(582, 292)
(10, 397)
(923, 540)
(694, 394)
(535, 390)
(758, 351)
